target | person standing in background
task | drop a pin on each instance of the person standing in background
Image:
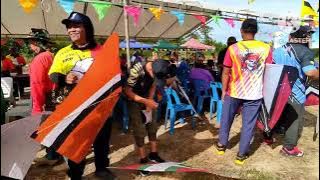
(18, 60)
(231, 40)
(242, 84)
(6, 66)
(296, 53)
(40, 83)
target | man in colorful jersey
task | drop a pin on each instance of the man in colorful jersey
(296, 53)
(69, 66)
(141, 88)
(242, 83)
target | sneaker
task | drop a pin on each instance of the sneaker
(144, 161)
(221, 149)
(240, 159)
(105, 174)
(154, 157)
(144, 173)
(293, 152)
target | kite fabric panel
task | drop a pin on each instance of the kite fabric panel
(277, 87)
(162, 167)
(312, 93)
(18, 150)
(71, 129)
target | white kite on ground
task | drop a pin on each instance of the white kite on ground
(17, 148)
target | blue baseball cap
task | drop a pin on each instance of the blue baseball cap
(76, 17)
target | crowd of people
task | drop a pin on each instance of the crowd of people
(239, 67)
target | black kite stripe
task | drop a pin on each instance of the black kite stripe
(63, 136)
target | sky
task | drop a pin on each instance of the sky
(278, 8)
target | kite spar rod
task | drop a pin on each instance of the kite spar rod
(184, 94)
(126, 28)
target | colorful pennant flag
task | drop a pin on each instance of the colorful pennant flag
(162, 167)
(180, 16)
(67, 5)
(216, 19)
(28, 5)
(307, 9)
(230, 22)
(201, 18)
(157, 12)
(135, 12)
(101, 8)
(3, 41)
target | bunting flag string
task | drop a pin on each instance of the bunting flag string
(216, 19)
(67, 5)
(101, 8)
(135, 12)
(28, 5)
(230, 22)
(201, 18)
(157, 12)
(180, 16)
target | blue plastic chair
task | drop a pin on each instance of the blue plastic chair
(174, 106)
(183, 72)
(215, 98)
(201, 91)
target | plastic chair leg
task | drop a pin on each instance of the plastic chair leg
(219, 111)
(212, 109)
(172, 120)
(166, 118)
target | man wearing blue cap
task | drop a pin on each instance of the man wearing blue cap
(64, 73)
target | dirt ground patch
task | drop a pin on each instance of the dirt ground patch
(196, 148)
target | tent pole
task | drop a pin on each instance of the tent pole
(85, 8)
(126, 26)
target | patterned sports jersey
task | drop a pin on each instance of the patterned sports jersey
(302, 58)
(72, 60)
(247, 61)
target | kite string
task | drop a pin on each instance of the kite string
(77, 112)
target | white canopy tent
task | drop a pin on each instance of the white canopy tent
(15, 22)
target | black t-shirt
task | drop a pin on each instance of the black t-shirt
(221, 56)
(139, 80)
